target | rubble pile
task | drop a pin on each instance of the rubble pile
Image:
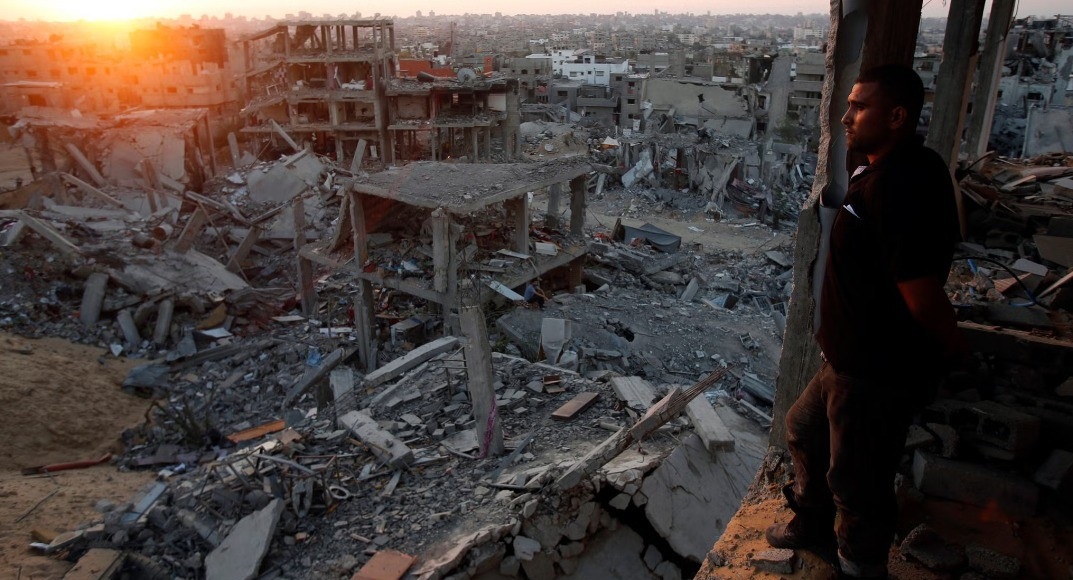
(275, 453)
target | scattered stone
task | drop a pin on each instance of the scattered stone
(775, 561)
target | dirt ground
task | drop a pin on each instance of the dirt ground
(62, 402)
(1043, 546)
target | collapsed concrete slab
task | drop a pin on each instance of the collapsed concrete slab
(689, 500)
(239, 556)
(282, 181)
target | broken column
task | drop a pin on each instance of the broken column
(93, 298)
(306, 292)
(481, 381)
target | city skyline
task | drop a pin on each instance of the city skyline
(73, 10)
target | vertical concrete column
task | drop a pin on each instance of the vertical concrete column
(512, 142)
(481, 381)
(306, 292)
(800, 355)
(236, 155)
(952, 85)
(440, 249)
(577, 205)
(363, 299)
(551, 218)
(987, 78)
(519, 207)
(472, 132)
(365, 323)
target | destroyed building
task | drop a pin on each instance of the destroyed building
(323, 80)
(148, 148)
(165, 68)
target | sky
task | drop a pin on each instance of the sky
(67, 10)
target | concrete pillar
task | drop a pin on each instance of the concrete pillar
(577, 205)
(952, 84)
(551, 218)
(364, 319)
(236, 155)
(987, 78)
(440, 249)
(512, 139)
(85, 164)
(481, 381)
(306, 292)
(519, 209)
(365, 323)
(846, 52)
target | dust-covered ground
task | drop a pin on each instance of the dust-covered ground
(62, 402)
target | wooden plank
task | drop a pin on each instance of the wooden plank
(96, 564)
(636, 392)
(571, 408)
(665, 410)
(258, 431)
(709, 426)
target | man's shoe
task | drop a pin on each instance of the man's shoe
(799, 533)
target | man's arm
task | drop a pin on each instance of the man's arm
(930, 308)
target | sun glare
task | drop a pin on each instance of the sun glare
(102, 10)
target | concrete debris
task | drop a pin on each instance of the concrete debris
(345, 437)
(239, 556)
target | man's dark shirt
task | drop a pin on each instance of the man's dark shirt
(898, 222)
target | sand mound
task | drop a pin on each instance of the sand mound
(61, 402)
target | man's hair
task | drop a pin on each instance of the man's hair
(901, 86)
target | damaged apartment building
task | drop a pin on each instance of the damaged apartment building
(164, 68)
(338, 85)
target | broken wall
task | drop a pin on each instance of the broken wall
(685, 99)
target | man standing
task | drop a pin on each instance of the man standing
(887, 330)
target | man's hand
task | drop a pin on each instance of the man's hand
(931, 308)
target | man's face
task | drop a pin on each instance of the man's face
(868, 121)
